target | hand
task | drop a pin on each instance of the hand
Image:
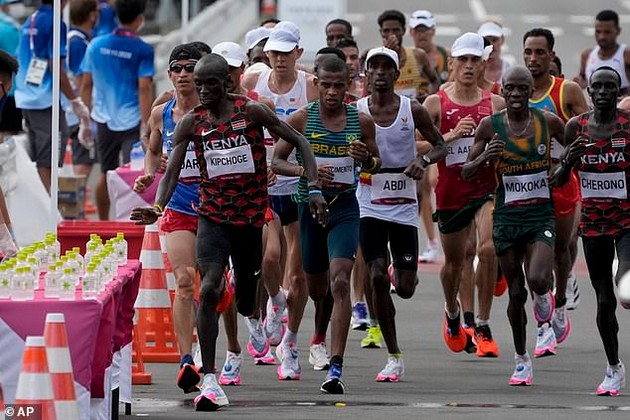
(79, 108)
(163, 164)
(577, 149)
(145, 215)
(325, 175)
(85, 134)
(415, 170)
(319, 208)
(465, 127)
(272, 178)
(358, 151)
(392, 43)
(495, 148)
(143, 182)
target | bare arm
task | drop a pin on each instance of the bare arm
(249, 81)
(580, 79)
(556, 127)
(153, 155)
(282, 149)
(86, 89)
(64, 83)
(145, 98)
(574, 148)
(164, 97)
(428, 70)
(311, 88)
(424, 124)
(498, 103)
(479, 154)
(574, 99)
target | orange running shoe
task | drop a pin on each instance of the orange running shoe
(471, 345)
(226, 297)
(454, 334)
(486, 346)
(501, 285)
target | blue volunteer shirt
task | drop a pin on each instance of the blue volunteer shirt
(39, 28)
(77, 45)
(107, 20)
(116, 62)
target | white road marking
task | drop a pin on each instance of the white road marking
(556, 30)
(445, 19)
(536, 19)
(355, 17)
(588, 31)
(581, 19)
(625, 3)
(478, 10)
(447, 31)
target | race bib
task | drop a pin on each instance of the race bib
(36, 71)
(390, 189)
(525, 187)
(237, 160)
(609, 185)
(342, 168)
(190, 167)
(556, 149)
(268, 145)
(458, 151)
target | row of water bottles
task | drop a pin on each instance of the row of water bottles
(63, 274)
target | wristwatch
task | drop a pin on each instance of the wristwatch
(427, 160)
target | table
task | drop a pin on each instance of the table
(97, 329)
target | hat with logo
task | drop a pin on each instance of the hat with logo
(253, 37)
(284, 37)
(422, 17)
(385, 52)
(232, 52)
(469, 43)
(490, 28)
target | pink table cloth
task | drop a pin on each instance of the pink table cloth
(96, 327)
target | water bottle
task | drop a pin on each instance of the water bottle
(54, 247)
(68, 283)
(121, 248)
(5, 282)
(90, 252)
(22, 289)
(77, 255)
(90, 283)
(52, 286)
(42, 255)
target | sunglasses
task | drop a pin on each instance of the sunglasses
(178, 68)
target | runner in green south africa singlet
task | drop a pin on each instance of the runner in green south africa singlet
(331, 148)
(523, 194)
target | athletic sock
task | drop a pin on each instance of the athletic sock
(452, 315)
(481, 322)
(469, 319)
(186, 359)
(279, 299)
(289, 337)
(318, 339)
(336, 360)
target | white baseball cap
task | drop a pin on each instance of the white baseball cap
(232, 52)
(468, 44)
(490, 28)
(253, 37)
(284, 37)
(386, 52)
(422, 17)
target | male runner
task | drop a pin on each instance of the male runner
(387, 199)
(599, 151)
(340, 136)
(464, 208)
(418, 78)
(608, 51)
(227, 133)
(336, 30)
(422, 32)
(492, 31)
(564, 99)
(179, 221)
(517, 144)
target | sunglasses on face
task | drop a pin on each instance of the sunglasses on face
(178, 68)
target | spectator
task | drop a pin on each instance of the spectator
(11, 117)
(107, 20)
(8, 68)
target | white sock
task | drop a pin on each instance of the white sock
(289, 337)
(481, 322)
(279, 299)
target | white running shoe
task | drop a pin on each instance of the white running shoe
(360, 316)
(523, 372)
(561, 324)
(544, 306)
(572, 293)
(430, 254)
(545, 341)
(258, 344)
(267, 359)
(289, 368)
(274, 328)
(318, 357)
(614, 380)
(393, 370)
(212, 396)
(231, 372)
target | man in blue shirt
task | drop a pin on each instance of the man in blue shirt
(107, 20)
(8, 67)
(33, 83)
(119, 68)
(11, 117)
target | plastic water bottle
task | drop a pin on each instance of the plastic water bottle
(42, 255)
(72, 262)
(121, 248)
(5, 282)
(90, 252)
(77, 255)
(54, 247)
(90, 283)
(67, 284)
(21, 284)
(51, 284)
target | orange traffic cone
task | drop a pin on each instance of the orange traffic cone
(35, 384)
(138, 375)
(156, 336)
(60, 365)
(268, 8)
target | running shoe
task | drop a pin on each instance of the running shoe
(545, 341)
(471, 345)
(523, 372)
(333, 383)
(227, 296)
(212, 396)
(501, 285)
(231, 372)
(373, 338)
(486, 346)
(267, 359)
(544, 306)
(318, 356)
(289, 368)
(393, 370)
(188, 378)
(258, 344)
(359, 316)
(274, 328)
(454, 335)
(614, 380)
(572, 293)
(430, 254)
(561, 324)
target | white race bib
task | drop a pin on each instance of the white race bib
(609, 185)
(190, 167)
(36, 71)
(237, 160)
(525, 187)
(556, 149)
(458, 150)
(393, 189)
(342, 168)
